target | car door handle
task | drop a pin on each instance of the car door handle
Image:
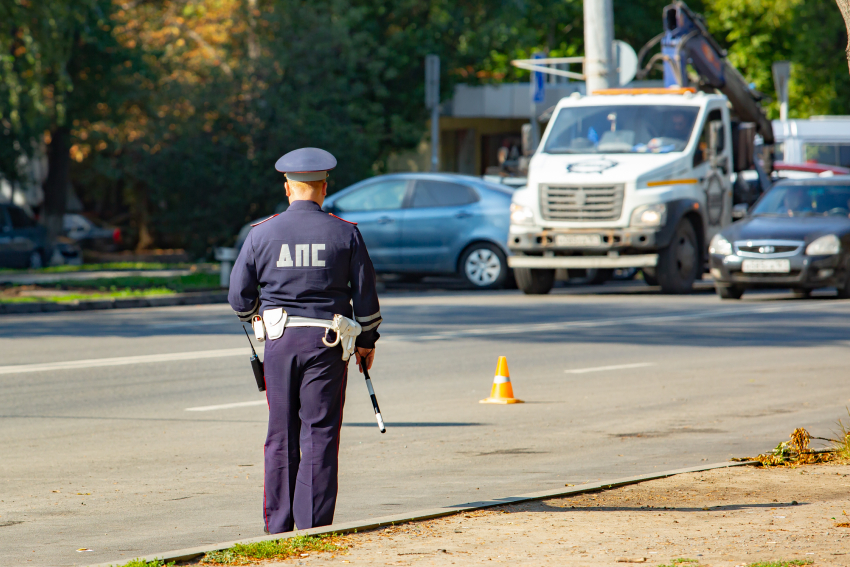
(384, 220)
(463, 215)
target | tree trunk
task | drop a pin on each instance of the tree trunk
(844, 6)
(56, 184)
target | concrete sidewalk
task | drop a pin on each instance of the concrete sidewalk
(727, 517)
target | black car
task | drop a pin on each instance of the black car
(796, 236)
(23, 243)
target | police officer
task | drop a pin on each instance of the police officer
(313, 265)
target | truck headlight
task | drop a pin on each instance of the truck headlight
(649, 215)
(824, 246)
(521, 214)
(720, 245)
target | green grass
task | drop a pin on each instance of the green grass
(245, 554)
(66, 298)
(122, 287)
(143, 563)
(781, 563)
(105, 266)
(189, 282)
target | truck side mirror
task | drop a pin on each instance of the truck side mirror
(743, 146)
(716, 143)
(739, 211)
(716, 136)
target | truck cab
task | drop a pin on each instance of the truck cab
(625, 178)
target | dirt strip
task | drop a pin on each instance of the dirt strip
(723, 517)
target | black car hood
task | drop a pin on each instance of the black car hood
(786, 228)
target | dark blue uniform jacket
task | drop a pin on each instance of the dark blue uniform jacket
(310, 263)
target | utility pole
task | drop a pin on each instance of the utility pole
(781, 76)
(599, 65)
(432, 101)
(538, 95)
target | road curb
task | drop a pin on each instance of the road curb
(428, 514)
(200, 298)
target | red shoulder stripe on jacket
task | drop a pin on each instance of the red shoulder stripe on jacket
(264, 220)
(343, 220)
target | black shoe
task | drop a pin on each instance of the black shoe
(267, 531)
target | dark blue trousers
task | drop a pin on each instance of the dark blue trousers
(305, 388)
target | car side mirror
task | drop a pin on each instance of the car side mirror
(740, 210)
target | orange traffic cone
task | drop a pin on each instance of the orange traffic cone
(502, 392)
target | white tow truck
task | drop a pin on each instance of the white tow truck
(641, 178)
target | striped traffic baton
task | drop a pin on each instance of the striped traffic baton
(374, 399)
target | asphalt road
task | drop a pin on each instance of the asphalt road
(106, 455)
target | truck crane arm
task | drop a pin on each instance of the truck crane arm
(687, 40)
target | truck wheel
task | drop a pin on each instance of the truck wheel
(534, 282)
(679, 262)
(649, 276)
(729, 291)
(484, 266)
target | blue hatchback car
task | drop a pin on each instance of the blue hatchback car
(421, 224)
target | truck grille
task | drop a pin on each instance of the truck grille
(587, 204)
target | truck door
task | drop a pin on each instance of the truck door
(712, 166)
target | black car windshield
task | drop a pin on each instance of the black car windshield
(805, 201)
(621, 129)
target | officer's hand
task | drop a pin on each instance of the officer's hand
(367, 354)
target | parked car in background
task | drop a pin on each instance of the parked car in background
(421, 224)
(91, 234)
(796, 236)
(23, 243)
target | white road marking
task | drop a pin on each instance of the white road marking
(124, 360)
(228, 406)
(194, 323)
(424, 336)
(615, 367)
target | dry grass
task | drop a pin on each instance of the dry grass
(796, 450)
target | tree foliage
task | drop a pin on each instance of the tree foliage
(177, 109)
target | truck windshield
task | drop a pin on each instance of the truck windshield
(805, 201)
(621, 129)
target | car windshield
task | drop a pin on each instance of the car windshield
(805, 201)
(621, 129)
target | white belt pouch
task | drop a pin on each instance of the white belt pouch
(276, 320)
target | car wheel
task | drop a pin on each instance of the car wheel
(36, 261)
(729, 291)
(801, 293)
(649, 276)
(484, 266)
(678, 263)
(534, 282)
